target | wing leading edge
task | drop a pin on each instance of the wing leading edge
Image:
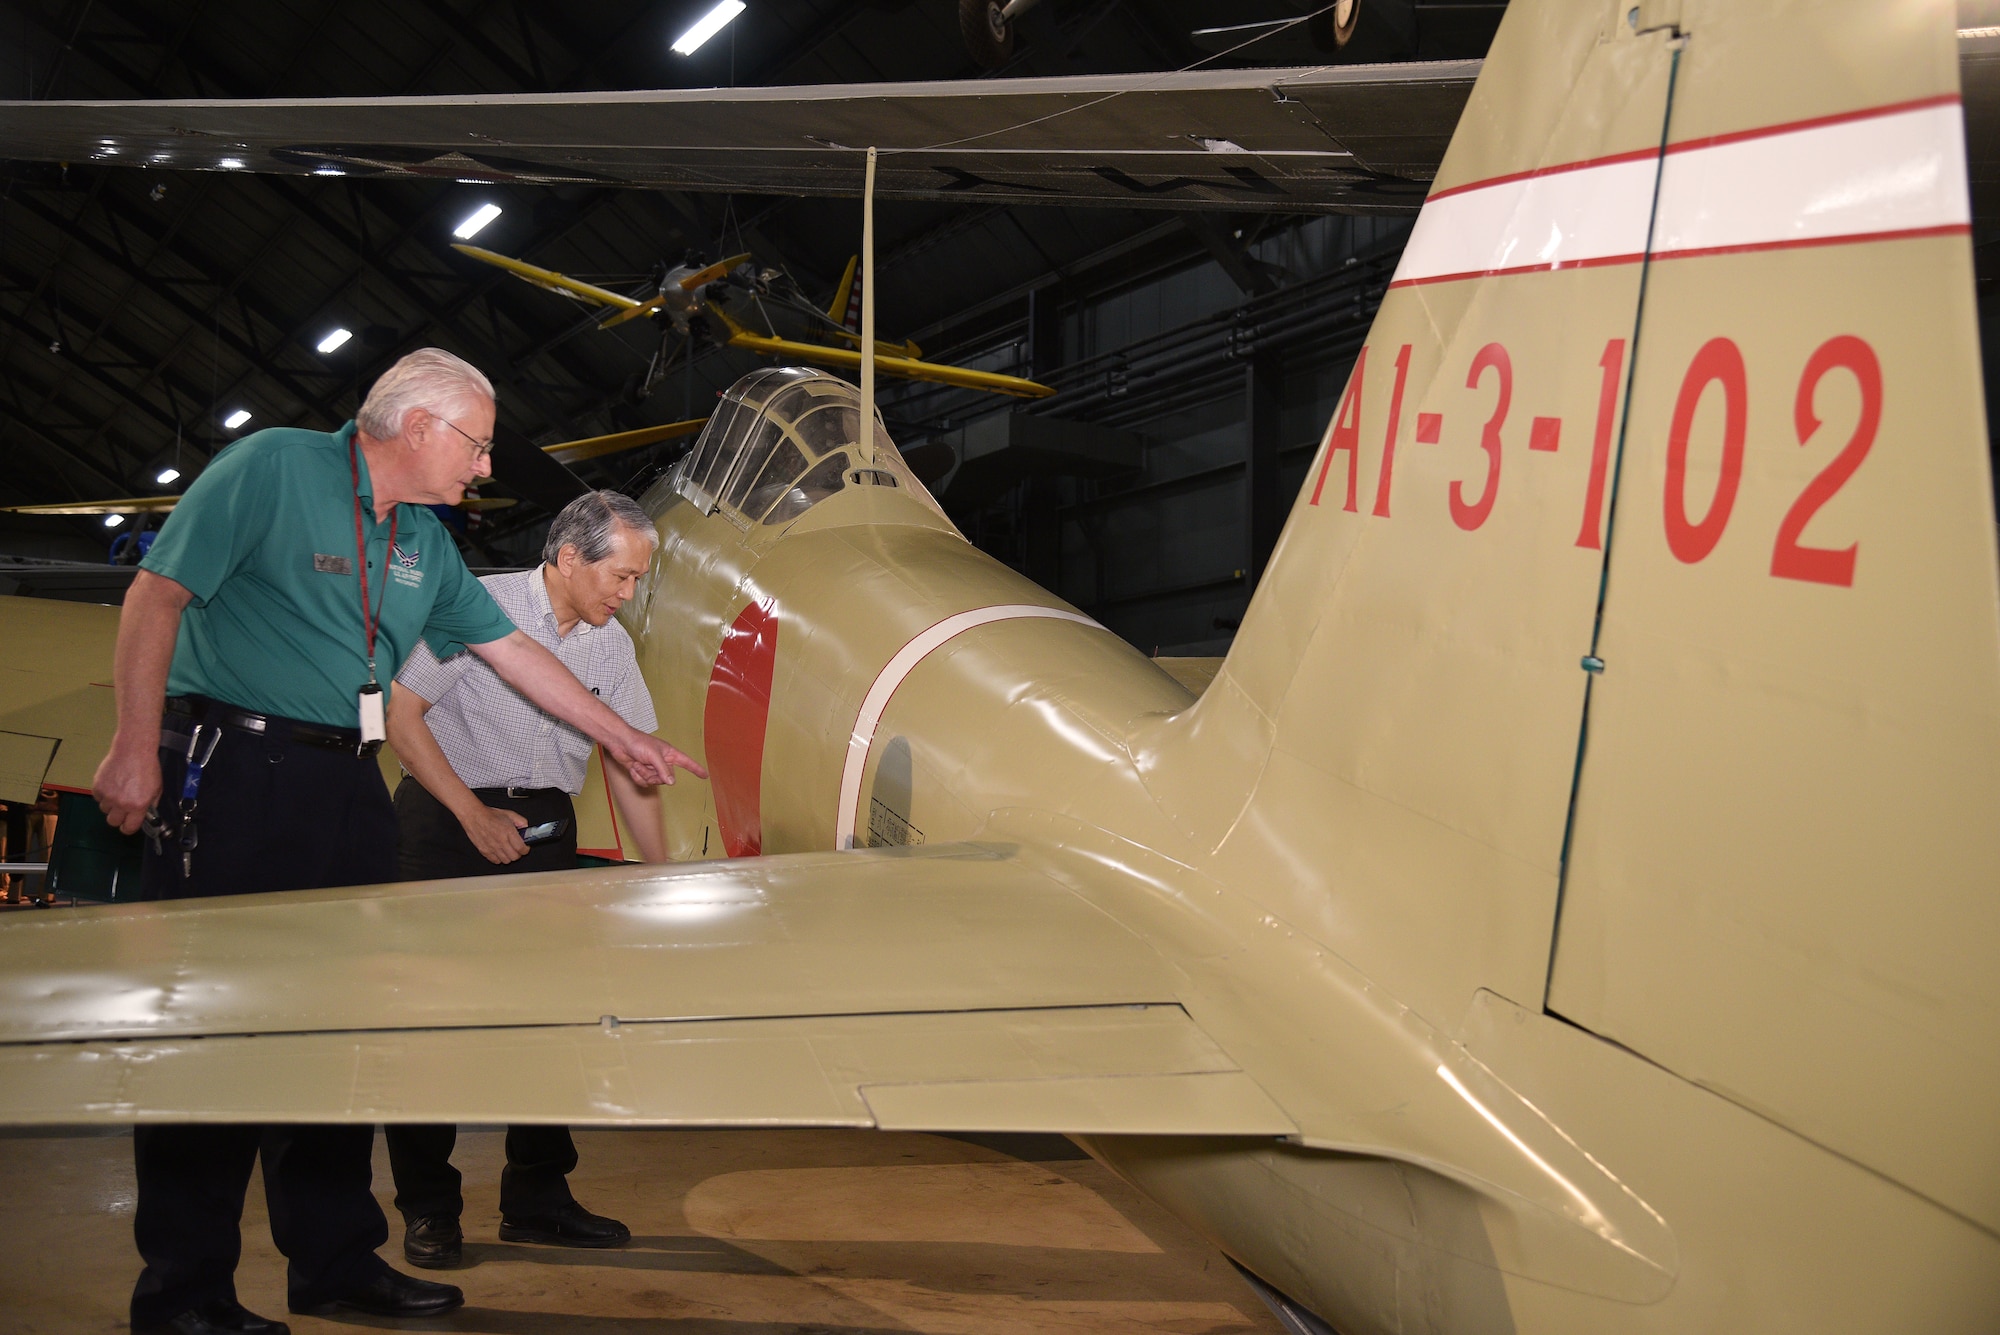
(943, 989)
(1352, 138)
(1344, 139)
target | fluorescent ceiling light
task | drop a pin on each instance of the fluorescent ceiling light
(168, 476)
(476, 221)
(333, 341)
(231, 164)
(328, 171)
(113, 521)
(705, 27)
(237, 418)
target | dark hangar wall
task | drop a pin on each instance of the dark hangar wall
(139, 308)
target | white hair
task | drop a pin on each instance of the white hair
(429, 378)
(586, 524)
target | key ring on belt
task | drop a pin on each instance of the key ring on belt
(200, 749)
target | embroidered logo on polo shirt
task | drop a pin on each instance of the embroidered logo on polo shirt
(403, 565)
(332, 565)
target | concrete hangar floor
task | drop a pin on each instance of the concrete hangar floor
(734, 1233)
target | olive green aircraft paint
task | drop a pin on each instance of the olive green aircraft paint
(1569, 907)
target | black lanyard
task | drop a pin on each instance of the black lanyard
(369, 624)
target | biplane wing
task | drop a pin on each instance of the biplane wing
(551, 281)
(564, 452)
(159, 505)
(1357, 138)
(888, 364)
(597, 447)
(118, 505)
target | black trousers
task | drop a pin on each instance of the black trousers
(273, 815)
(432, 845)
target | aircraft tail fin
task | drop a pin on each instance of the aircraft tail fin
(1632, 647)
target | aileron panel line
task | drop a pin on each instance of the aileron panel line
(1105, 1070)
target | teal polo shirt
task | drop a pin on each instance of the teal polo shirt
(264, 540)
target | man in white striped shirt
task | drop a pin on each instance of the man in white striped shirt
(485, 768)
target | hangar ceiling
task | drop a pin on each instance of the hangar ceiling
(139, 309)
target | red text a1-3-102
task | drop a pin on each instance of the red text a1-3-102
(1693, 525)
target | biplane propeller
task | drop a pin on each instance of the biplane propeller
(694, 302)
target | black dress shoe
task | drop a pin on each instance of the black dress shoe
(221, 1317)
(568, 1225)
(434, 1242)
(391, 1293)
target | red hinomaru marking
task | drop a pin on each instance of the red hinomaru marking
(1430, 426)
(739, 705)
(1544, 433)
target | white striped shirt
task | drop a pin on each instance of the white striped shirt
(492, 735)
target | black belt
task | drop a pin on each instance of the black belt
(518, 793)
(273, 726)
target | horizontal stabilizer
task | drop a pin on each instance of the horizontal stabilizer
(1102, 1070)
(947, 989)
(57, 711)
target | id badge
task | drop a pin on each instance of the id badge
(373, 727)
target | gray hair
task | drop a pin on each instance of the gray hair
(586, 524)
(429, 378)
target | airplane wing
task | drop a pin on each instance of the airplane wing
(563, 451)
(596, 447)
(904, 368)
(1347, 138)
(122, 505)
(57, 712)
(1351, 138)
(159, 505)
(946, 988)
(551, 281)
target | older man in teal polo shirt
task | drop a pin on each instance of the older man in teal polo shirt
(255, 650)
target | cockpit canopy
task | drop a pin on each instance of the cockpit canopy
(781, 441)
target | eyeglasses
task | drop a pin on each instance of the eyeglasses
(479, 447)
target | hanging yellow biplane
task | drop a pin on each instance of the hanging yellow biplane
(693, 302)
(1569, 908)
